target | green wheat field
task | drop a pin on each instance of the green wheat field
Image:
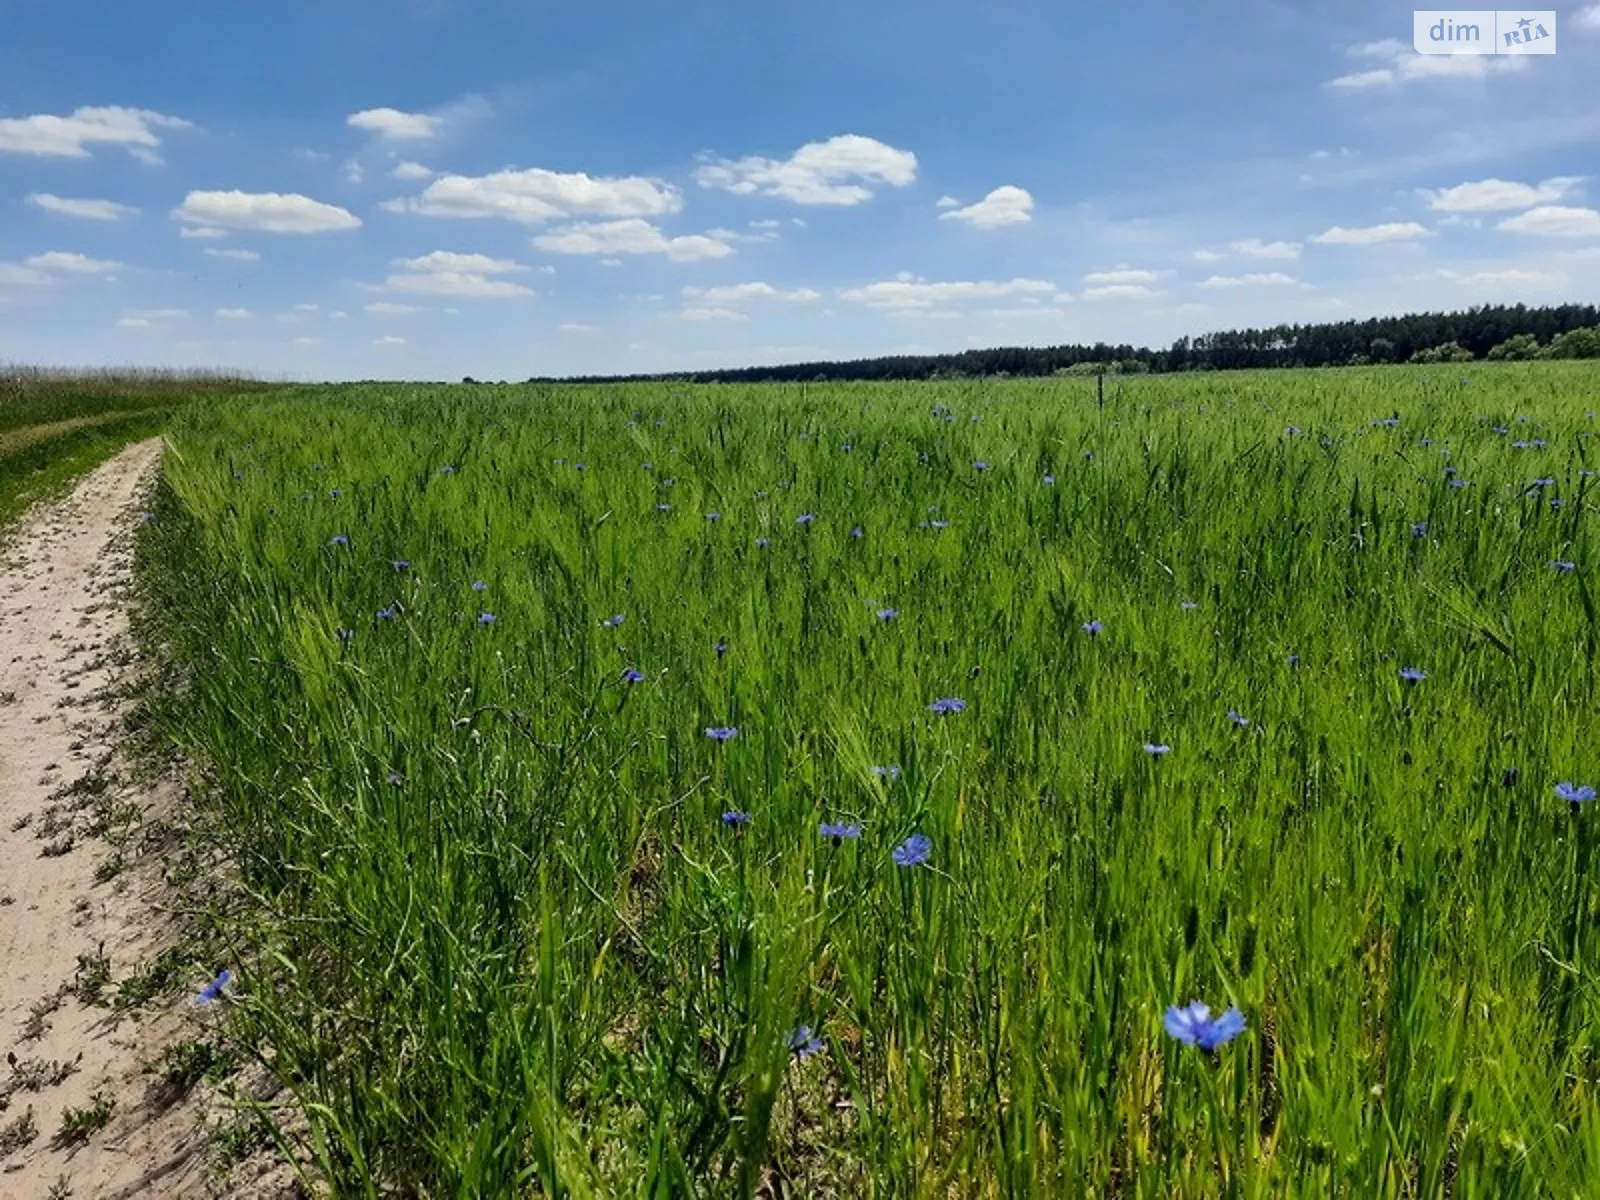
(521, 710)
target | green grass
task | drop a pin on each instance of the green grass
(494, 936)
(56, 425)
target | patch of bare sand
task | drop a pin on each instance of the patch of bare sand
(62, 645)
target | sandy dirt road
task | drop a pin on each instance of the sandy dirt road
(62, 642)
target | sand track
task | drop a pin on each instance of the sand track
(62, 641)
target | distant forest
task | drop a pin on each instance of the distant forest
(1491, 332)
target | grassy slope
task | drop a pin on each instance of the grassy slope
(498, 933)
(54, 428)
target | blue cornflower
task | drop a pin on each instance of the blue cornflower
(890, 772)
(387, 614)
(1419, 529)
(579, 467)
(1193, 1025)
(803, 1043)
(663, 508)
(486, 618)
(947, 706)
(980, 465)
(212, 992)
(1049, 480)
(914, 851)
(1574, 794)
(613, 622)
(1565, 568)
(1413, 674)
(633, 675)
(400, 564)
(1188, 606)
(721, 648)
(1157, 749)
(940, 524)
(805, 518)
(888, 614)
(1241, 722)
(1459, 482)
(1294, 660)
(394, 778)
(839, 832)
(846, 448)
(713, 516)
(334, 494)
(734, 819)
(1502, 430)
(339, 539)
(1292, 431)
(1093, 628)
(858, 533)
(447, 470)
(649, 466)
(479, 585)
(722, 733)
(763, 543)
(346, 636)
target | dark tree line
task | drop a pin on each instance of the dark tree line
(1340, 343)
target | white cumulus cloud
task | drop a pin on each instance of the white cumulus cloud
(1556, 220)
(1269, 278)
(737, 293)
(72, 264)
(1499, 195)
(448, 273)
(389, 339)
(384, 308)
(1004, 206)
(1402, 64)
(263, 212)
(1116, 291)
(1371, 235)
(233, 314)
(410, 170)
(1256, 248)
(233, 255)
(88, 210)
(907, 292)
(449, 260)
(71, 136)
(840, 171)
(630, 236)
(536, 196)
(1122, 276)
(395, 125)
(1510, 277)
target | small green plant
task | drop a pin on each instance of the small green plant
(78, 1125)
(36, 1074)
(150, 979)
(92, 977)
(61, 1189)
(17, 1133)
(39, 1015)
(183, 1064)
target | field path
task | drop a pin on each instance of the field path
(62, 641)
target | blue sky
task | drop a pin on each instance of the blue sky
(434, 188)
